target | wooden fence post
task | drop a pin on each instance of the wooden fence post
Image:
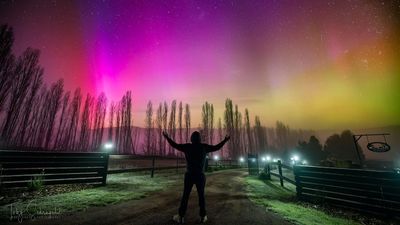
(1, 173)
(177, 164)
(298, 181)
(105, 171)
(280, 172)
(267, 170)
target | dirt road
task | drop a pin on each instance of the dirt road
(226, 201)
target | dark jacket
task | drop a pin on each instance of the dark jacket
(195, 154)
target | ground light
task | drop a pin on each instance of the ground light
(304, 162)
(108, 146)
(216, 157)
(241, 159)
(294, 159)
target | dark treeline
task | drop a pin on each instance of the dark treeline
(37, 115)
(338, 149)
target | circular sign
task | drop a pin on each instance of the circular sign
(378, 146)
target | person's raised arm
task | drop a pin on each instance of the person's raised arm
(213, 148)
(178, 147)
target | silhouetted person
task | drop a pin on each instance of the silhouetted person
(195, 154)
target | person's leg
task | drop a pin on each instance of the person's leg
(200, 185)
(188, 184)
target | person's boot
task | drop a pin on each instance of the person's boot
(179, 219)
(203, 219)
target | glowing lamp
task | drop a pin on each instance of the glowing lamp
(108, 146)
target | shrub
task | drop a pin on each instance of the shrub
(36, 183)
(263, 176)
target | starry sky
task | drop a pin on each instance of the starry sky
(311, 64)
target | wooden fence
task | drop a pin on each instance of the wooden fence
(269, 170)
(376, 192)
(134, 163)
(20, 168)
(371, 191)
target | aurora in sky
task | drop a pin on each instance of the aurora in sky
(312, 64)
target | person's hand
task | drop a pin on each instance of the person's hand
(165, 134)
(227, 137)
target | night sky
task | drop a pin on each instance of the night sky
(312, 64)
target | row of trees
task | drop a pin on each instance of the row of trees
(154, 143)
(34, 115)
(245, 136)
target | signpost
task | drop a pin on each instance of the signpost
(376, 146)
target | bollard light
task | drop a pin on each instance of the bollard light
(216, 157)
(241, 159)
(268, 158)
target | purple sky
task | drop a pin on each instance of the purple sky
(311, 64)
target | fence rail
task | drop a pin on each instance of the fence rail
(143, 162)
(121, 164)
(144, 169)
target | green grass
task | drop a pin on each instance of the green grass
(120, 187)
(283, 202)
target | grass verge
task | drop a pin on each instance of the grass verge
(283, 202)
(120, 187)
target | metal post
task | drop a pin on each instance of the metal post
(152, 166)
